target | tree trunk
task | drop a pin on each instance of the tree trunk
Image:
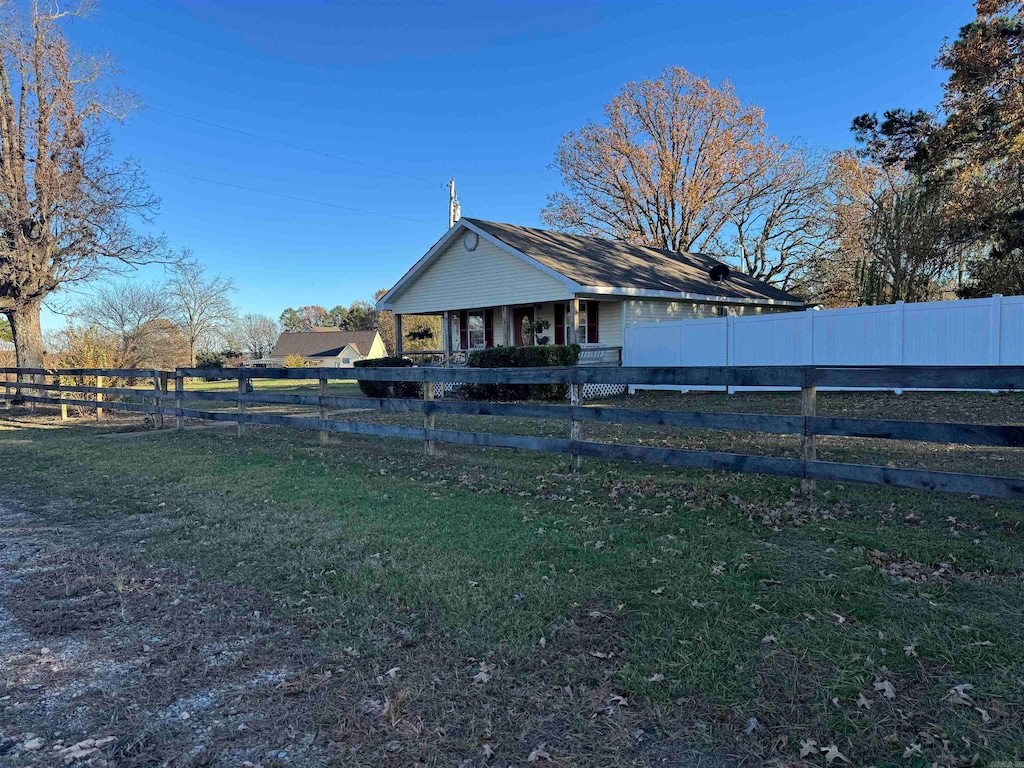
(28, 336)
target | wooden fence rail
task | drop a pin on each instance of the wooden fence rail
(159, 400)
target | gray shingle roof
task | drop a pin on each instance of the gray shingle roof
(322, 342)
(594, 261)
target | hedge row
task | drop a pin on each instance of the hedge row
(388, 388)
(496, 357)
(521, 357)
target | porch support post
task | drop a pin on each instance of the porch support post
(572, 331)
(399, 345)
(446, 335)
(506, 326)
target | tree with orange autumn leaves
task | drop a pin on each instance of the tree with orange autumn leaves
(683, 165)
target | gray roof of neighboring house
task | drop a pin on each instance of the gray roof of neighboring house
(594, 261)
(322, 342)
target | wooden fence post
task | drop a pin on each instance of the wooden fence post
(323, 409)
(429, 446)
(164, 382)
(60, 396)
(241, 403)
(156, 401)
(99, 398)
(575, 432)
(808, 448)
(179, 398)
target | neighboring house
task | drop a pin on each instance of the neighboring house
(497, 284)
(324, 348)
(6, 346)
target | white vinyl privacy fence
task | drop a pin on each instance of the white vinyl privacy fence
(970, 332)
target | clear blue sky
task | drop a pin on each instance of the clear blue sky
(480, 91)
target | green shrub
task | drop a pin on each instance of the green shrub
(388, 388)
(521, 357)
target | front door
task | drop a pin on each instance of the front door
(522, 326)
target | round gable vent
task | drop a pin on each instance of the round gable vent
(470, 241)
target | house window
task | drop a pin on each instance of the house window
(477, 331)
(474, 329)
(346, 360)
(586, 322)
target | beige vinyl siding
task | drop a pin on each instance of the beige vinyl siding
(609, 323)
(498, 324)
(485, 277)
(653, 310)
(377, 349)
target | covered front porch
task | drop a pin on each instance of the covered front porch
(595, 325)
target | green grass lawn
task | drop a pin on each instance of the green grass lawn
(341, 387)
(723, 597)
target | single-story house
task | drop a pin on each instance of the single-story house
(503, 284)
(324, 348)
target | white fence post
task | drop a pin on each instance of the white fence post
(899, 337)
(730, 331)
(807, 347)
(995, 318)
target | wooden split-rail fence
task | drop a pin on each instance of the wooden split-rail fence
(53, 387)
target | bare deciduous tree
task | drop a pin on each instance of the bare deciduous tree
(65, 203)
(200, 305)
(781, 221)
(675, 159)
(257, 334)
(130, 313)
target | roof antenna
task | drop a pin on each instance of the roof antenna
(454, 207)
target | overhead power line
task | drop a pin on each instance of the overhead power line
(287, 197)
(292, 146)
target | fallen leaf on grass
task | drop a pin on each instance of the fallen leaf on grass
(832, 753)
(985, 718)
(538, 754)
(887, 689)
(958, 695)
(484, 674)
(393, 672)
(658, 591)
(910, 650)
(657, 677)
(752, 725)
(808, 747)
(911, 751)
(863, 703)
